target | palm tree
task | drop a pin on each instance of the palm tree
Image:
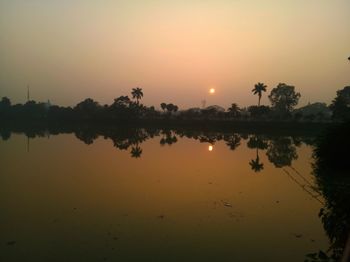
(136, 151)
(233, 110)
(258, 143)
(137, 94)
(255, 164)
(258, 89)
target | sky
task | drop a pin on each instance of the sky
(176, 51)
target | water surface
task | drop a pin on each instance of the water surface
(164, 196)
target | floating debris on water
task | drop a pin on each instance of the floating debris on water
(226, 204)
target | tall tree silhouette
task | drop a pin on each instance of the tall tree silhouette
(284, 98)
(137, 94)
(258, 89)
(341, 104)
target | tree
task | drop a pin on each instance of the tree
(234, 110)
(232, 141)
(163, 106)
(172, 108)
(284, 98)
(255, 164)
(341, 104)
(259, 111)
(281, 152)
(5, 102)
(169, 107)
(122, 101)
(136, 151)
(88, 105)
(137, 94)
(258, 89)
(5, 107)
(87, 108)
(258, 143)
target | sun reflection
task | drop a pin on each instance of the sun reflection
(210, 148)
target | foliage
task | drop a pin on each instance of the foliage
(234, 110)
(341, 104)
(258, 89)
(283, 98)
(259, 111)
(281, 152)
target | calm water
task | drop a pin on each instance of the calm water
(165, 196)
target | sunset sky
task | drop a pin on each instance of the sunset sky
(176, 51)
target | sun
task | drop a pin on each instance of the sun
(212, 90)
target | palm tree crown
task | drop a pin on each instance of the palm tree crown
(258, 89)
(256, 165)
(137, 93)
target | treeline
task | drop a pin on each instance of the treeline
(283, 100)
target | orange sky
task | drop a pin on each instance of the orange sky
(175, 50)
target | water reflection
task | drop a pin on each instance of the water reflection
(331, 170)
(280, 150)
(257, 142)
(330, 193)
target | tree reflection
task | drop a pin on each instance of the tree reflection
(168, 138)
(232, 141)
(136, 151)
(281, 151)
(257, 142)
(331, 170)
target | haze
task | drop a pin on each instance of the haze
(174, 50)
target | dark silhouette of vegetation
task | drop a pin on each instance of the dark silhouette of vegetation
(258, 89)
(257, 142)
(283, 99)
(137, 94)
(234, 110)
(341, 104)
(136, 151)
(260, 112)
(281, 151)
(233, 141)
(331, 170)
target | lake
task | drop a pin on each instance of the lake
(158, 195)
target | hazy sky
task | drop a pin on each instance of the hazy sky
(174, 50)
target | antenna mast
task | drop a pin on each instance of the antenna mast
(28, 94)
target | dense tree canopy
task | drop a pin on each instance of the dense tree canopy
(341, 104)
(283, 98)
